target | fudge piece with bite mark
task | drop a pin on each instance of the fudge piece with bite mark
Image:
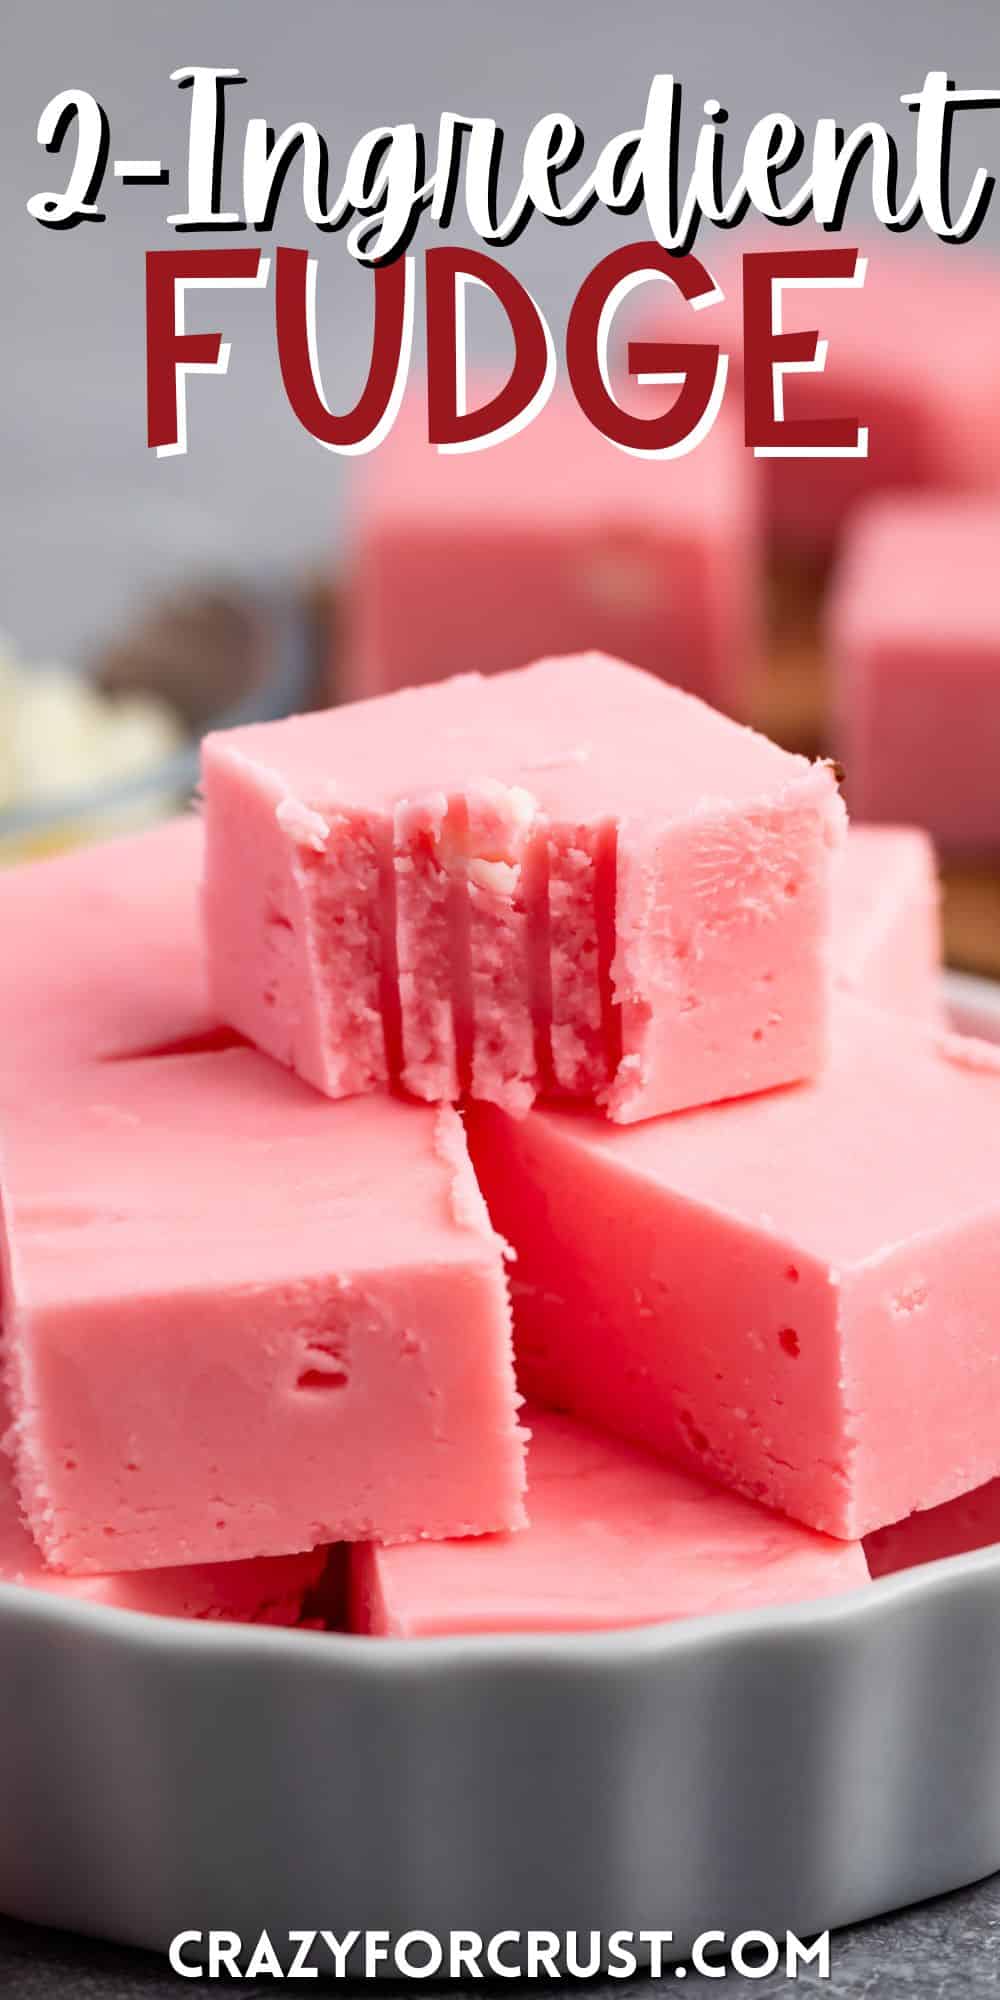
(570, 879)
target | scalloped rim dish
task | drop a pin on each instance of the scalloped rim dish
(796, 1768)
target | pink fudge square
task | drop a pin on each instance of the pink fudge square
(911, 356)
(887, 920)
(971, 1521)
(803, 1288)
(914, 637)
(103, 956)
(270, 1591)
(569, 878)
(238, 1324)
(616, 1538)
(553, 542)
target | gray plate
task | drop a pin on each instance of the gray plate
(797, 1768)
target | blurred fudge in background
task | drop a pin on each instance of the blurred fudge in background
(914, 642)
(911, 356)
(555, 541)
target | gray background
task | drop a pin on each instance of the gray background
(88, 518)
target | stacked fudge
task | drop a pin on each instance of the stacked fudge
(552, 991)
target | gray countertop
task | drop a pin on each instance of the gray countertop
(948, 1949)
